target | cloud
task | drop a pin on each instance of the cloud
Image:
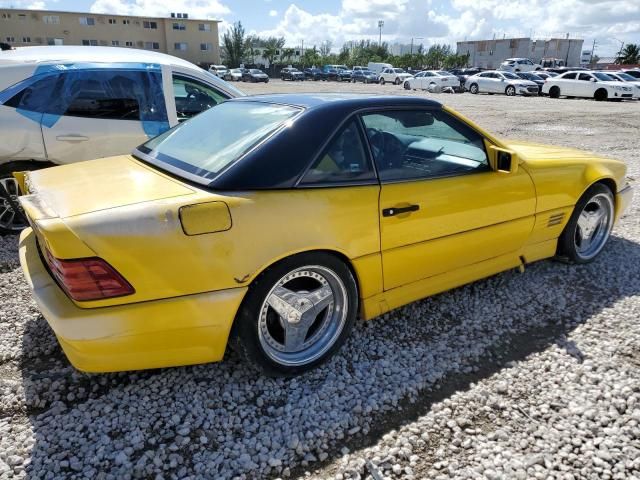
(273, 13)
(196, 8)
(27, 4)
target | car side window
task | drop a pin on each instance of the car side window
(585, 76)
(343, 161)
(422, 144)
(37, 96)
(193, 96)
(569, 76)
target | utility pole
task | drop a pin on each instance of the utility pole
(302, 53)
(380, 25)
(593, 49)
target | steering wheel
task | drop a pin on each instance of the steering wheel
(387, 149)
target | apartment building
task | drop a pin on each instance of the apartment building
(491, 53)
(191, 39)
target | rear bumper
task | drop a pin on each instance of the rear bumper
(162, 333)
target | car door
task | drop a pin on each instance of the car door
(484, 82)
(585, 87)
(442, 207)
(569, 85)
(494, 81)
(103, 112)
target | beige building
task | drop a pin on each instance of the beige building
(190, 39)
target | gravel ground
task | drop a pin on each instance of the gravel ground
(532, 375)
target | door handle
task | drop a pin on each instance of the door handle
(72, 138)
(390, 212)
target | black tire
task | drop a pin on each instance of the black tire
(407, 85)
(474, 89)
(567, 248)
(397, 82)
(510, 91)
(554, 92)
(18, 223)
(246, 335)
(600, 95)
(381, 81)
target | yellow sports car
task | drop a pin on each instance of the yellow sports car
(273, 221)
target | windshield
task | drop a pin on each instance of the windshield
(511, 76)
(626, 77)
(602, 76)
(208, 143)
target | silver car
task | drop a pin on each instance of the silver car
(494, 81)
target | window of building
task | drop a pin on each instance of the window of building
(22, 16)
(193, 97)
(10, 39)
(112, 21)
(422, 144)
(297, 53)
(152, 45)
(26, 39)
(179, 26)
(6, 16)
(115, 43)
(51, 19)
(344, 160)
(128, 44)
(92, 43)
(126, 22)
(180, 46)
(277, 52)
(204, 27)
(55, 41)
(206, 47)
(89, 21)
(149, 24)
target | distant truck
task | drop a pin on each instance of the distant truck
(549, 62)
(377, 68)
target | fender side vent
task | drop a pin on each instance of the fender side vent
(555, 219)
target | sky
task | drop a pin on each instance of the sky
(609, 22)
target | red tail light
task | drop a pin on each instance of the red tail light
(88, 278)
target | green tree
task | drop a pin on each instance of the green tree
(272, 48)
(325, 49)
(630, 55)
(234, 44)
(287, 54)
(311, 57)
(250, 48)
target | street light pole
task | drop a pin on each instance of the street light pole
(380, 25)
(417, 38)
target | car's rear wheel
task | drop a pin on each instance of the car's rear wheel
(297, 313)
(600, 95)
(510, 91)
(11, 222)
(474, 88)
(554, 92)
(589, 227)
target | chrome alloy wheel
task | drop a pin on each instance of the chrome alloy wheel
(9, 220)
(594, 226)
(303, 315)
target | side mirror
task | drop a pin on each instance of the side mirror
(592, 80)
(503, 160)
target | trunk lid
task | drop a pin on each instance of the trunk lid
(102, 184)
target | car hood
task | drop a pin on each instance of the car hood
(102, 184)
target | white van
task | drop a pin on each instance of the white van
(378, 67)
(218, 70)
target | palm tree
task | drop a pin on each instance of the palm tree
(630, 55)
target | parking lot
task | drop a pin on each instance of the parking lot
(522, 375)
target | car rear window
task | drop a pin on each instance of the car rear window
(204, 146)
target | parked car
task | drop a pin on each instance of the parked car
(254, 75)
(314, 74)
(560, 70)
(62, 105)
(358, 67)
(233, 75)
(393, 75)
(544, 74)
(364, 76)
(519, 65)
(377, 67)
(587, 85)
(291, 73)
(618, 76)
(429, 79)
(634, 72)
(339, 73)
(464, 73)
(446, 204)
(493, 81)
(218, 70)
(532, 77)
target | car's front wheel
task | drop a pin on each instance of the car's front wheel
(297, 313)
(397, 82)
(510, 91)
(12, 220)
(474, 88)
(589, 227)
(381, 81)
